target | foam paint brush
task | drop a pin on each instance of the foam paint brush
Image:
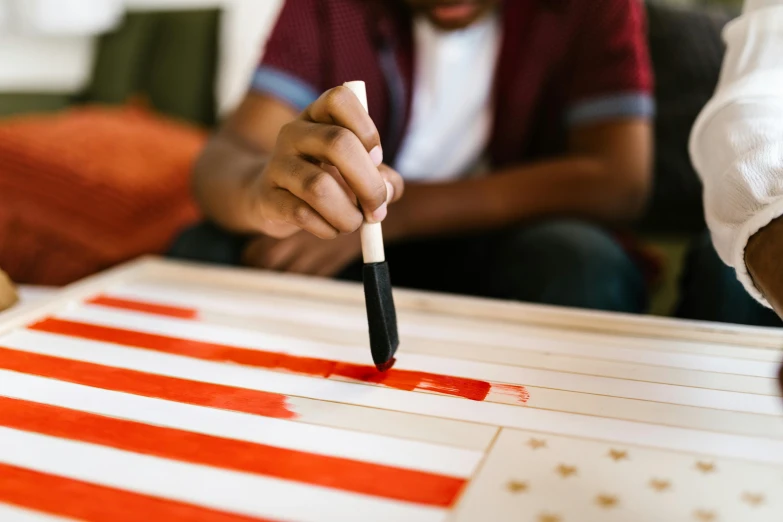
(381, 315)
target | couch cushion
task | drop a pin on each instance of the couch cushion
(12, 104)
(687, 51)
(166, 57)
(91, 187)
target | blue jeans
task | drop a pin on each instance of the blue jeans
(710, 291)
(557, 262)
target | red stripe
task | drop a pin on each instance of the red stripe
(400, 379)
(282, 463)
(79, 500)
(147, 384)
(139, 306)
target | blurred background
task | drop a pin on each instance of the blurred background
(104, 105)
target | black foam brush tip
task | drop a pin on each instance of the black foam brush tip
(381, 315)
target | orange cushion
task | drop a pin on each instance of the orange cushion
(91, 187)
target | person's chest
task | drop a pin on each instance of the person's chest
(516, 69)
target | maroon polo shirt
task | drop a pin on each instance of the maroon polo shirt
(562, 63)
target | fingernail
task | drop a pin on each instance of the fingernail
(379, 214)
(376, 155)
(389, 192)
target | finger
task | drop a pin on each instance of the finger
(395, 185)
(341, 148)
(253, 254)
(283, 254)
(322, 192)
(340, 181)
(340, 106)
(308, 260)
(331, 268)
(292, 210)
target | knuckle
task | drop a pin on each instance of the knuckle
(286, 132)
(317, 185)
(299, 215)
(295, 168)
(330, 234)
(336, 97)
(353, 222)
(338, 139)
(377, 195)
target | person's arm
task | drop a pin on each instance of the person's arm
(233, 158)
(269, 169)
(605, 178)
(320, 172)
(604, 175)
(737, 149)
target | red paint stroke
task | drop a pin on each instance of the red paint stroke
(79, 500)
(385, 367)
(520, 393)
(407, 380)
(139, 306)
(255, 402)
(248, 457)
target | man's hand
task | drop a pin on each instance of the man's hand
(294, 191)
(272, 172)
(303, 253)
(763, 255)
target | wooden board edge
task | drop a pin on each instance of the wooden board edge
(27, 313)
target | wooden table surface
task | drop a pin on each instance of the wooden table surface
(166, 391)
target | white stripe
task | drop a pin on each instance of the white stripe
(583, 348)
(434, 327)
(184, 329)
(280, 433)
(627, 432)
(216, 488)
(455, 349)
(9, 513)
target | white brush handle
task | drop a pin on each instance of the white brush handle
(372, 234)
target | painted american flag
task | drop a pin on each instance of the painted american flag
(149, 398)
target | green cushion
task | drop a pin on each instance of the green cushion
(121, 60)
(20, 103)
(166, 57)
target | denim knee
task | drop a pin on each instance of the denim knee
(575, 264)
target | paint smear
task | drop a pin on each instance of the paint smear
(139, 306)
(344, 474)
(255, 402)
(407, 380)
(74, 499)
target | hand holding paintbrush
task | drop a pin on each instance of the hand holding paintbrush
(325, 176)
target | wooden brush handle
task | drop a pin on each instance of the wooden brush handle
(372, 234)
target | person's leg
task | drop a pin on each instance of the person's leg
(710, 291)
(208, 244)
(567, 263)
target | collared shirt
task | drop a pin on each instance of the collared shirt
(737, 142)
(561, 63)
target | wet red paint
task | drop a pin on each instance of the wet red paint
(78, 500)
(519, 392)
(385, 367)
(255, 402)
(340, 473)
(139, 306)
(399, 379)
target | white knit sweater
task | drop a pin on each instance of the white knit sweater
(737, 142)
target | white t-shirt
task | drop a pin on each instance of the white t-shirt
(737, 142)
(452, 112)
